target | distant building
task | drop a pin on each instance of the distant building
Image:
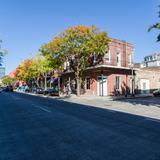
(147, 74)
(152, 60)
(147, 79)
(2, 72)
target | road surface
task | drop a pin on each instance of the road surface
(36, 128)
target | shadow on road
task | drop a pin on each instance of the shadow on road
(74, 130)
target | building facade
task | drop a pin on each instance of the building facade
(147, 79)
(152, 60)
(113, 76)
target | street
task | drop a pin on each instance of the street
(38, 128)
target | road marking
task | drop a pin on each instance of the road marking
(154, 120)
(16, 98)
(46, 110)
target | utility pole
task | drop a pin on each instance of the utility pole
(102, 81)
(132, 72)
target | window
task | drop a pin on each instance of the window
(88, 83)
(117, 82)
(129, 59)
(95, 60)
(107, 56)
(118, 59)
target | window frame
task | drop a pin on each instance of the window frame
(117, 86)
(88, 87)
(107, 59)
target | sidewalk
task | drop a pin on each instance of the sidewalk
(148, 111)
(88, 97)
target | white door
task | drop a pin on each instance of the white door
(145, 86)
(102, 86)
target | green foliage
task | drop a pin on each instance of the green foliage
(7, 80)
(2, 53)
(43, 64)
(156, 26)
(32, 68)
(77, 45)
(26, 70)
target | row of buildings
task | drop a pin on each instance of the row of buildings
(115, 75)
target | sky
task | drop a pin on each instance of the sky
(25, 25)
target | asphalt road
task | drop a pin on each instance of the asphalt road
(36, 128)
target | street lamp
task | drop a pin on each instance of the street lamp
(102, 81)
(132, 72)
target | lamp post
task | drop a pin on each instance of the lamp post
(102, 81)
(132, 72)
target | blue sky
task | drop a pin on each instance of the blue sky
(26, 24)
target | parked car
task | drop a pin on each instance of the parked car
(38, 90)
(51, 92)
(48, 91)
(156, 93)
(8, 89)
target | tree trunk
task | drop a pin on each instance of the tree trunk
(45, 82)
(78, 77)
(78, 86)
(37, 82)
(78, 82)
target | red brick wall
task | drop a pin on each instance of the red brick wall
(122, 47)
(111, 76)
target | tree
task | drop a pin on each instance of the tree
(32, 68)
(7, 80)
(77, 45)
(156, 26)
(2, 54)
(27, 70)
(44, 65)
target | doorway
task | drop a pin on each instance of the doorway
(102, 86)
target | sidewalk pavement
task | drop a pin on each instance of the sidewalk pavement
(121, 97)
(148, 111)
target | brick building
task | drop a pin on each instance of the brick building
(110, 77)
(147, 79)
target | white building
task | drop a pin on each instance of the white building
(152, 60)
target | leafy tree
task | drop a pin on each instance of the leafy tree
(33, 68)
(7, 80)
(44, 65)
(2, 53)
(156, 26)
(26, 70)
(76, 46)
